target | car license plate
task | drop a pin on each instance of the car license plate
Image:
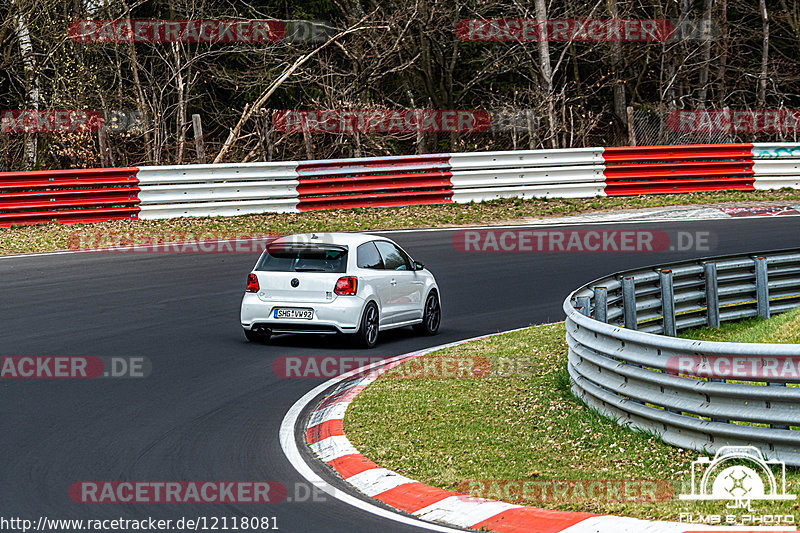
(305, 314)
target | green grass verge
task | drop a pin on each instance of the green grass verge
(51, 237)
(783, 328)
(520, 422)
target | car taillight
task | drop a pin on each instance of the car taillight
(252, 283)
(346, 285)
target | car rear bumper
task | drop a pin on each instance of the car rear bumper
(339, 316)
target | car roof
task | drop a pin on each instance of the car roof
(344, 239)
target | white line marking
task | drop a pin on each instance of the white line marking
(333, 448)
(332, 412)
(377, 480)
(464, 512)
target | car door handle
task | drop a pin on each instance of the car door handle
(393, 282)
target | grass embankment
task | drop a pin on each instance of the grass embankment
(52, 237)
(783, 328)
(520, 422)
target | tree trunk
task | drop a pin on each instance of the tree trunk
(762, 80)
(31, 83)
(140, 105)
(620, 101)
(723, 54)
(702, 93)
(181, 115)
(103, 147)
(307, 142)
(420, 132)
(547, 75)
(531, 129)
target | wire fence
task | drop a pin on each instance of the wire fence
(652, 127)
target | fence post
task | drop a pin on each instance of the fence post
(712, 311)
(667, 302)
(712, 294)
(531, 128)
(762, 287)
(631, 126)
(583, 305)
(197, 128)
(102, 146)
(601, 304)
(629, 301)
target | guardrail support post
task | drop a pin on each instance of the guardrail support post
(629, 301)
(583, 305)
(723, 420)
(601, 304)
(712, 294)
(773, 384)
(667, 302)
(762, 287)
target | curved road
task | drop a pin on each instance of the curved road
(212, 406)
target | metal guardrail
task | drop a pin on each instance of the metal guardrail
(227, 189)
(374, 181)
(623, 352)
(482, 176)
(91, 195)
(80, 195)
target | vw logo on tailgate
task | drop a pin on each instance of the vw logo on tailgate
(295, 282)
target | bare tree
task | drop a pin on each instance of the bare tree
(31, 81)
(620, 101)
(547, 74)
(762, 79)
(702, 94)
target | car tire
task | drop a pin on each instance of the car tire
(256, 336)
(367, 336)
(432, 316)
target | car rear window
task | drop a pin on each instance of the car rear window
(303, 258)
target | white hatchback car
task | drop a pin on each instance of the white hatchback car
(345, 283)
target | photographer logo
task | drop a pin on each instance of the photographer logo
(738, 474)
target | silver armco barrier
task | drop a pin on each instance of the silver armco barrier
(625, 362)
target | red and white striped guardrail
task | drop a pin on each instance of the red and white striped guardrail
(91, 195)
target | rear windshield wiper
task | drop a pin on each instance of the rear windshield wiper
(309, 270)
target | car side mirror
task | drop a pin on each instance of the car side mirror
(418, 265)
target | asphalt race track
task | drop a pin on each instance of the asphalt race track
(212, 406)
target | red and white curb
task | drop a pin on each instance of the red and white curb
(436, 507)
